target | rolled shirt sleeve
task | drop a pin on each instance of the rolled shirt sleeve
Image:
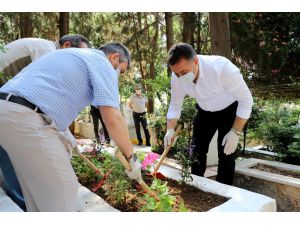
(177, 97)
(233, 81)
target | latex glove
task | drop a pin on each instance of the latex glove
(135, 172)
(68, 141)
(230, 141)
(168, 137)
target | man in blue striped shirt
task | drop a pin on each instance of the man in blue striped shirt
(17, 55)
(42, 100)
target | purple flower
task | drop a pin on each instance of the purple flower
(190, 149)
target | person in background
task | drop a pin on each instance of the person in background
(138, 104)
(20, 53)
(96, 116)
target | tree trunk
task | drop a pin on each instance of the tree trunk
(138, 50)
(26, 27)
(188, 20)
(169, 33)
(220, 34)
(63, 23)
(186, 27)
(152, 62)
(192, 18)
(198, 43)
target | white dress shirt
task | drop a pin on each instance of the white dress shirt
(20, 53)
(219, 84)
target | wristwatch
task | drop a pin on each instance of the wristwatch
(132, 157)
(239, 133)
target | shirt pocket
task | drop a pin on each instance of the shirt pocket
(208, 93)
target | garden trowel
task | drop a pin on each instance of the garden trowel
(141, 182)
(159, 175)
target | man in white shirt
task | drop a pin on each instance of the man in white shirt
(224, 104)
(138, 104)
(20, 53)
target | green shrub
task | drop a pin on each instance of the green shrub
(275, 123)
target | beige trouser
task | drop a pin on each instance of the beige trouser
(39, 158)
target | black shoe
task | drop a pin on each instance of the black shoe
(148, 144)
(140, 144)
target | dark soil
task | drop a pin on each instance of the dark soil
(271, 169)
(195, 200)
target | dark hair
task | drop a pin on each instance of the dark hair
(180, 51)
(75, 40)
(116, 47)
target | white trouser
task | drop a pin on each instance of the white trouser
(40, 160)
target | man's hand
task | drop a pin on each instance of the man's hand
(230, 141)
(135, 172)
(169, 137)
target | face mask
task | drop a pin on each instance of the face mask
(138, 92)
(187, 78)
(118, 71)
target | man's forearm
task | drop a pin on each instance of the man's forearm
(117, 129)
(239, 123)
(171, 124)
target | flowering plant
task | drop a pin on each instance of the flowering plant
(149, 160)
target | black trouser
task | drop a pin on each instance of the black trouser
(205, 126)
(141, 118)
(96, 115)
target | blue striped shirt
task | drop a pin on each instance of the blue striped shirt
(63, 82)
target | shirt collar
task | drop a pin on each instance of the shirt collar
(200, 64)
(138, 96)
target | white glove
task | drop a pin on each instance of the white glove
(68, 140)
(135, 172)
(168, 137)
(230, 141)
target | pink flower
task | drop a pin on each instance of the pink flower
(149, 159)
(88, 149)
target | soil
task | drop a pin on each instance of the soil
(271, 169)
(195, 200)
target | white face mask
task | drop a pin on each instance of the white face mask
(118, 71)
(138, 92)
(187, 78)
